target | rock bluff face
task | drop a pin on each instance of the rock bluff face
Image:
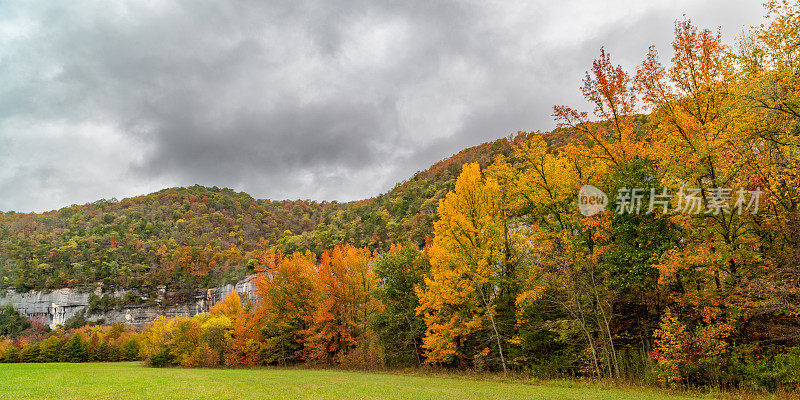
(56, 307)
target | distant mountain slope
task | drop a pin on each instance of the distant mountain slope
(200, 236)
(184, 236)
(404, 214)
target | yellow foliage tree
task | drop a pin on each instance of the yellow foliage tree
(470, 260)
(230, 306)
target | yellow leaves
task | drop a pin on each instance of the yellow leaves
(230, 306)
(217, 330)
(157, 335)
(446, 287)
(668, 267)
(529, 296)
(188, 341)
(693, 106)
(469, 222)
(439, 343)
(466, 255)
(5, 344)
(545, 178)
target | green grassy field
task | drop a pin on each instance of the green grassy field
(132, 381)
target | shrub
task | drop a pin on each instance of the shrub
(29, 353)
(11, 355)
(749, 368)
(161, 359)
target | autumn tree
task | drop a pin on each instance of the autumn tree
(601, 154)
(230, 306)
(769, 91)
(471, 274)
(340, 331)
(289, 292)
(611, 91)
(702, 150)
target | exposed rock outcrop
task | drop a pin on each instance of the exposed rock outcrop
(56, 307)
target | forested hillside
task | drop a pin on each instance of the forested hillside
(196, 237)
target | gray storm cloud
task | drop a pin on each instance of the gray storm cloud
(289, 99)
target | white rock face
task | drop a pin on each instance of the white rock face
(56, 307)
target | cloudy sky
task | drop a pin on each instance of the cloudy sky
(328, 100)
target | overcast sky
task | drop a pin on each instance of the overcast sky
(328, 100)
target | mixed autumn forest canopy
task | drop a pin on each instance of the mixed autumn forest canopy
(195, 237)
(484, 261)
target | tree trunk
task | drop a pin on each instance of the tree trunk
(496, 333)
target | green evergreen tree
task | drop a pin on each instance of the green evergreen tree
(29, 353)
(398, 327)
(75, 349)
(130, 350)
(12, 324)
(50, 349)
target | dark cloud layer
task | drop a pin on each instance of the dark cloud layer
(291, 99)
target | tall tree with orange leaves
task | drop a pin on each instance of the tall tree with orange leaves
(289, 292)
(340, 331)
(695, 115)
(768, 87)
(611, 91)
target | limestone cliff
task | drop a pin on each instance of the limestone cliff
(56, 307)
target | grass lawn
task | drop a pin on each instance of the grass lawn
(132, 381)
